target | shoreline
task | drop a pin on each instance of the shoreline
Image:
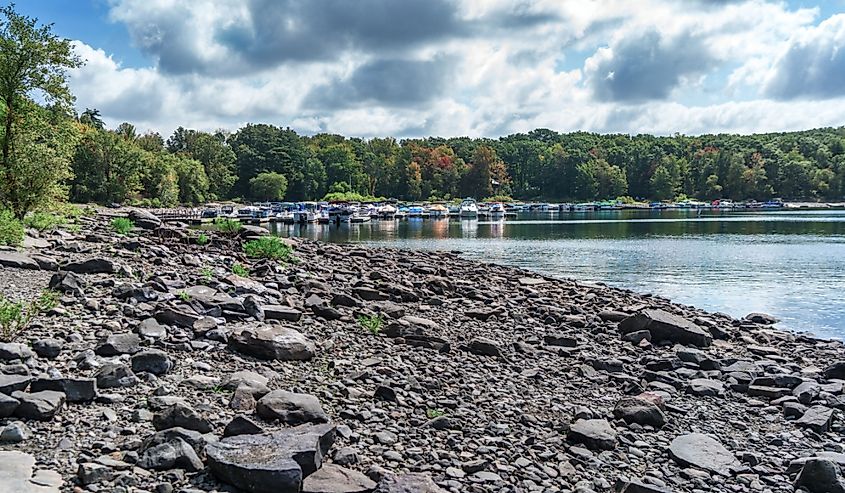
(480, 377)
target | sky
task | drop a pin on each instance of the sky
(478, 68)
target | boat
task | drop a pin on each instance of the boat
(437, 211)
(340, 213)
(402, 213)
(285, 217)
(247, 212)
(415, 211)
(454, 210)
(726, 204)
(361, 216)
(469, 209)
(323, 216)
(306, 213)
(387, 211)
(773, 204)
(497, 210)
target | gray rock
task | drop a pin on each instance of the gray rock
(195, 439)
(484, 347)
(407, 483)
(623, 486)
(173, 454)
(151, 328)
(346, 456)
(836, 371)
(178, 318)
(817, 418)
(181, 416)
(704, 452)
(271, 462)
(705, 387)
(254, 308)
(281, 312)
(92, 473)
(48, 348)
(665, 326)
(12, 383)
(336, 479)
(113, 375)
(15, 432)
(75, 389)
(42, 406)
(153, 361)
(640, 410)
(18, 261)
(117, 344)
(820, 476)
(67, 283)
(242, 425)
(8, 405)
(14, 351)
(16, 475)
(291, 408)
(761, 318)
(595, 434)
(92, 266)
(806, 392)
(274, 343)
(144, 219)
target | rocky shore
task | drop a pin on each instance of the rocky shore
(354, 369)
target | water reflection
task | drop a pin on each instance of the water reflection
(790, 264)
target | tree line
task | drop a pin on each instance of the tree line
(50, 153)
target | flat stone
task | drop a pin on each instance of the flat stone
(18, 261)
(817, 418)
(484, 347)
(92, 266)
(42, 406)
(281, 312)
(408, 483)
(181, 416)
(153, 361)
(15, 351)
(12, 383)
(336, 479)
(75, 389)
(291, 408)
(113, 375)
(705, 387)
(639, 410)
(173, 454)
(665, 326)
(150, 327)
(704, 452)
(8, 405)
(117, 344)
(595, 434)
(532, 281)
(16, 474)
(271, 462)
(273, 343)
(242, 425)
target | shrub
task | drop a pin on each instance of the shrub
(11, 230)
(43, 220)
(184, 296)
(270, 247)
(498, 198)
(240, 270)
(434, 413)
(203, 239)
(207, 274)
(122, 225)
(372, 323)
(15, 316)
(228, 226)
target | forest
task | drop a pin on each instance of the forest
(263, 162)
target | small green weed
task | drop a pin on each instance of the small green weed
(270, 247)
(207, 274)
(11, 230)
(122, 225)
(203, 239)
(372, 323)
(43, 220)
(184, 296)
(240, 270)
(228, 226)
(434, 413)
(15, 316)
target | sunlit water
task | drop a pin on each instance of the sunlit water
(788, 264)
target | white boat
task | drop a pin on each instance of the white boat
(469, 209)
(454, 210)
(248, 212)
(437, 211)
(286, 217)
(497, 211)
(362, 216)
(387, 211)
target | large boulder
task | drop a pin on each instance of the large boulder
(270, 462)
(836, 371)
(173, 454)
(704, 452)
(18, 261)
(820, 476)
(92, 266)
(665, 326)
(642, 410)
(273, 342)
(595, 434)
(291, 408)
(42, 406)
(817, 418)
(144, 219)
(153, 361)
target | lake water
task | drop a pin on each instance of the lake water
(790, 264)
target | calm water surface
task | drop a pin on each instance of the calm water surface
(788, 264)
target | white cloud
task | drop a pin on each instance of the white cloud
(210, 69)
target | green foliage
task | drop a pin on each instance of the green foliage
(11, 229)
(269, 247)
(122, 225)
(208, 274)
(434, 413)
(184, 296)
(372, 323)
(350, 197)
(498, 198)
(203, 239)
(228, 226)
(240, 270)
(43, 221)
(15, 316)
(268, 186)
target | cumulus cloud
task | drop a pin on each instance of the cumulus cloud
(812, 65)
(466, 67)
(646, 67)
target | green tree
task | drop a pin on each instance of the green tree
(218, 162)
(106, 168)
(268, 186)
(33, 63)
